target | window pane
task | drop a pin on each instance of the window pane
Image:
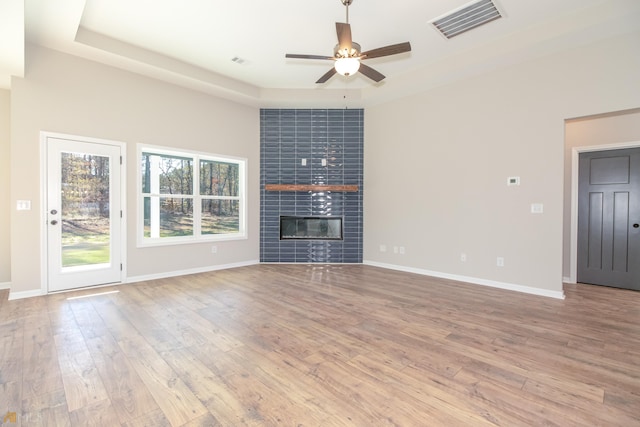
(145, 168)
(169, 198)
(174, 217)
(164, 174)
(220, 216)
(219, 178)
(85, 209)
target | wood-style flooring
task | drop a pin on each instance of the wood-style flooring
(301, 345)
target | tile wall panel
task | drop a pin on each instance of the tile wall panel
(286, 137)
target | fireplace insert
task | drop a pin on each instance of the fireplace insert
(311, 227)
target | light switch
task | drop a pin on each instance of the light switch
(324, 162)
(536, 208)
(304, 162)
(23, 205)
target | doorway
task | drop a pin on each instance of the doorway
(83, 212)
(609, 218)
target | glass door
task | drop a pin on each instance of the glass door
(83, 214)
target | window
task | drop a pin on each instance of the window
(186, 197)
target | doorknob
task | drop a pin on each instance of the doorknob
(54, 222)
(636, 225)
(53, 211)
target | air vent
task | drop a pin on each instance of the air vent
(466, 18)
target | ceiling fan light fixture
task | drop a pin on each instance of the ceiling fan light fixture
(347, 54)
(347, 66)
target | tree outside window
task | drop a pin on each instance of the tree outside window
(188, 197)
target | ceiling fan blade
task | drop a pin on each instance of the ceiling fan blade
(344, 36)
(327, 75)
(393, 49)
(300, 56)
(371, 73)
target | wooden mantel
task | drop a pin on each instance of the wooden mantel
(300, 187)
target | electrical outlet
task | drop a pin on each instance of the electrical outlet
(401, 249)
(463, 257)
(513, 180)
(395, 249)
(500, 261)
(214, 249)
(383, 248)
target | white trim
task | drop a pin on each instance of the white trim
(37, 292)
(197, 237)
(207, 269)
(44, 135)
(5, 285)
(568, 280)
(44, 254)
(123, 207)
(575, 159)
(168, 274)
(472, 280)
(26, 294)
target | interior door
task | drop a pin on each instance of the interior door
(83, 213)
(609, 218)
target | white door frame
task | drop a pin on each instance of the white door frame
(575, 158)
(44, 173)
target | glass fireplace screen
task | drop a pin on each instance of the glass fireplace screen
(311, 227)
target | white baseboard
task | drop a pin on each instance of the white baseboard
(25, 294)
(467, 279)
(207, 269)
(39, 292)
(5, 285)
(473, 280)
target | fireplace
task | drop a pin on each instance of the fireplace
(311, 228)
(311, 166)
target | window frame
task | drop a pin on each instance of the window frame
(196, 197)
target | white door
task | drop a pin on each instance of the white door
(83, 213)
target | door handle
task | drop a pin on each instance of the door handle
(54, 222)
(53, 211)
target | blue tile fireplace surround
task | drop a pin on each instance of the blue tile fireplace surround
(322, 147)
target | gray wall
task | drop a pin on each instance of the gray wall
(65, 94)
(288, 136)
(437, 163)
(5, 137)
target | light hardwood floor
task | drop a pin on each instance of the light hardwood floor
(294, 345)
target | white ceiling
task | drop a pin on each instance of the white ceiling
(192, 42)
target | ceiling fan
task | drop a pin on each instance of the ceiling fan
(347, 54)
